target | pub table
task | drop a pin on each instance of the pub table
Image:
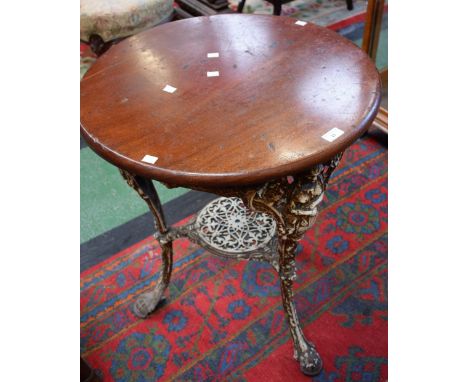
(256, 109)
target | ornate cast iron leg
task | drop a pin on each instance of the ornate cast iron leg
(147, 302)
(293, 204)
(304, 351)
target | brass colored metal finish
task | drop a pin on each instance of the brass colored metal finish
(147, 302)
(226, 225)
(265, 245)
(292, 203)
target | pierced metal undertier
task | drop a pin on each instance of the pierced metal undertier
(225, 227)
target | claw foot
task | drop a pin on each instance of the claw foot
(310, 361)
(147, 302)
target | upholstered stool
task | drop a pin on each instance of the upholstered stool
(105, 21)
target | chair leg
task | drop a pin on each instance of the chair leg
(349, 4)
(240, 6)
(99, 46)
(96, 43)
(277, 7)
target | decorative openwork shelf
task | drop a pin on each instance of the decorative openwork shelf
(226, 227)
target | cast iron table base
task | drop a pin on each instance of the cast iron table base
(261, 223)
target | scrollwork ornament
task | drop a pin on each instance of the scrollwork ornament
(148, 301)
(293, 203)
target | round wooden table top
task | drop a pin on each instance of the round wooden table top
(262, 109)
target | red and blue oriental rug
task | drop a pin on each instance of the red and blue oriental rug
(223, 320)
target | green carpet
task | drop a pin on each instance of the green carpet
(382, 52)
(106, 200)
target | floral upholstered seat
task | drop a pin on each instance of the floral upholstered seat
(113, 19)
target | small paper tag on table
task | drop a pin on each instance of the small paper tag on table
(169, 89)
(331, 135)
(149, 159)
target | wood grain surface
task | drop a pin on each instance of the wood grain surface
(281, 87)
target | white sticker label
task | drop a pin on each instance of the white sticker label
(149, 159)
(213, 55)
(301, 23)
(169, 89)
(212, 74)
(331, 135)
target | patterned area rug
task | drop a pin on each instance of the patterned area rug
(224, 321)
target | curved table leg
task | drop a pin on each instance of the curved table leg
(148, 301)
(304, 351)
(293, 204)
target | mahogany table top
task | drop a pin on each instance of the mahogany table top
(280, 88)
